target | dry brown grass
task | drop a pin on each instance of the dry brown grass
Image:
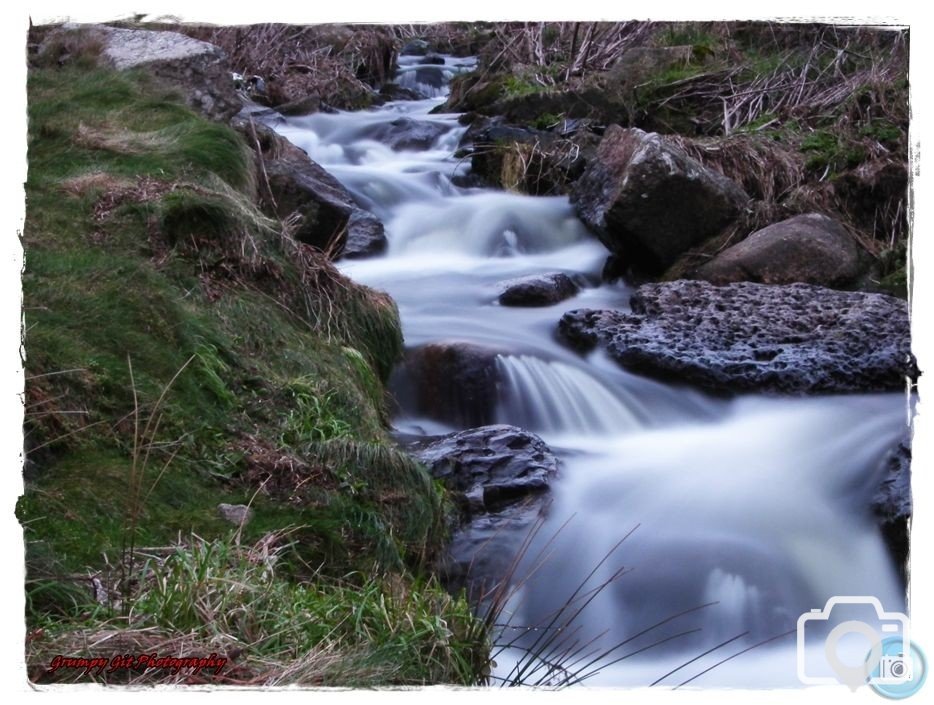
(339, 63)
(107, 641)
(59, 48)
(93, 181)
(561, 50)
(122, 140)
(812, 74)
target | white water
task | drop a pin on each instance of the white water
(757, 504)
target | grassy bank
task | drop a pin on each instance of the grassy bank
(182, 350)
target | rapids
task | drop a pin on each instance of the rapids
(755, 504)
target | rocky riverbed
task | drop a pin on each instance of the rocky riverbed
(557, 372)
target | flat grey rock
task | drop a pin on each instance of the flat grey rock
(743, 337)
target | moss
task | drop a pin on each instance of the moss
(181, 352)
(884, 131)
(825, 150)
(516, 86)
(895, 283)
(546, 121)
(703, 43)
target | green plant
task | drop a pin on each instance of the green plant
(139, 248)
(515, 86)
(883, 131)
(546, 121)
(358, 631)
(312, 417)
(140, 487)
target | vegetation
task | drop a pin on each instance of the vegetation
(182, 349)
(336, 63)
(221, 597)
(806, 117)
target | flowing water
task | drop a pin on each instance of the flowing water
(757, 505)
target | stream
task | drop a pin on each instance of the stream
(754, 506)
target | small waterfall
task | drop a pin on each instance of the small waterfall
(553, 397)
(431, 80)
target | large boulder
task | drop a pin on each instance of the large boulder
(294, 186)
(326, 210)
(649, 202)
(490, 466)
(795, 338)
(198, 68)
(452, 381)
(812, 249)
(537, 290)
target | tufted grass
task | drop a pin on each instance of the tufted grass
(183, 350)
(220, 596)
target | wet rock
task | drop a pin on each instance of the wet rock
(407, 134)
(490, 466)
(812, 249)
(236, 514)
(365, 237)
(304, 106)
(432, 60)
(482, 551)
(252, 89)
(469, 180)
(416, 47)
(393, 91)
(328, 216)
(649, 202)
(454, 382)
(793, 339)
(199, 69)
(892, 502)
(432, 76)
(538, 290)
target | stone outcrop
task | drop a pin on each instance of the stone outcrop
(792, 339)
(454, 382)
(197, 68)
(490, 466)
(295, 186)
(404, 133)
(649, 202)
